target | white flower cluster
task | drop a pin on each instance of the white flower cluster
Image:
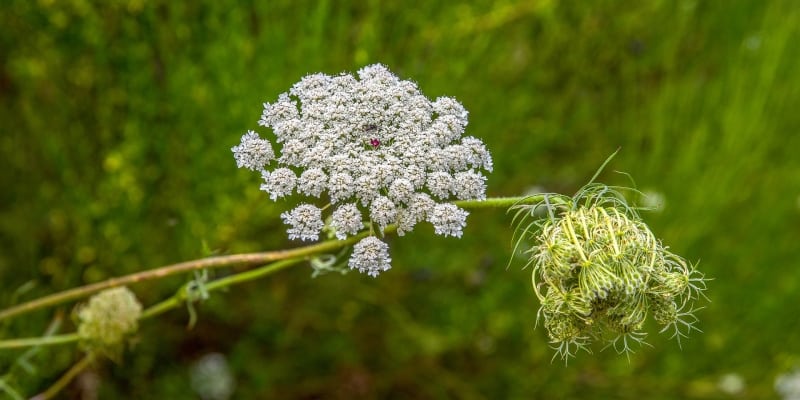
(377, 149)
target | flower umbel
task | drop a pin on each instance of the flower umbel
(305, 221)
(108, 318)
(370, 256)
(599, 271)
(370, 146)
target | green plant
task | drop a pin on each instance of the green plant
(385, 158)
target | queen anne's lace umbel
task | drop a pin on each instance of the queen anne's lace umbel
(371, 146)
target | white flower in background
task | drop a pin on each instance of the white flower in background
(369, 145)
(788, 385)
(653, 200)
(211, 377)
(731, 383)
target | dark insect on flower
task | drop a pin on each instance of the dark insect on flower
(372, 129)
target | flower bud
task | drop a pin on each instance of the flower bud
(107, 319)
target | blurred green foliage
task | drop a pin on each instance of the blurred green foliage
(117, 118)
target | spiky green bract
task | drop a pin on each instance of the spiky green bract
(107, 320)
(598, 271)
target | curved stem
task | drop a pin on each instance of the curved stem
(250, 259)
(65, 379)
(571, 234)
(180, 297)
(173, 302)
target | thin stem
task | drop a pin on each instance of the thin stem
(250, 259)
(173, 302)
(500, 202)
(611, 231)
(571, 233)
(39, 341)
(23, 361)
(252, 274)
(65, 379)
(178, 298)
(162, 307)
(7, 389)
(284, 258)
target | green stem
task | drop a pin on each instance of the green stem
(7, 389)
(251, 259)
(173, 302)
(39, 341)
(574, 239)
(65, 379)
(500, 202)
(180, 297)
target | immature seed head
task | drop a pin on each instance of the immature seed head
(107, 320)
(599, 271)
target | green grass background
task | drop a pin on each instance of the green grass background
(117, 118)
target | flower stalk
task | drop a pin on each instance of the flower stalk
(242, 260)
(246, 260)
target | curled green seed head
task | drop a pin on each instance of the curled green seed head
(599, 271)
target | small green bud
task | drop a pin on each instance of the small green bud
(107, 320)
(563, 329)
(665, 311)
